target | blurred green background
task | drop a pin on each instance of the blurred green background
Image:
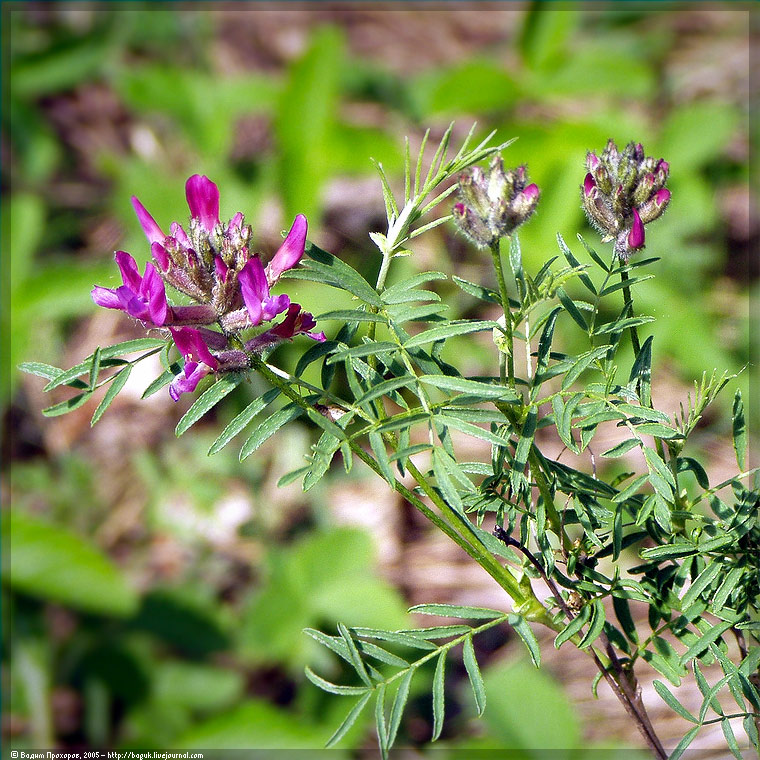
(157, 596)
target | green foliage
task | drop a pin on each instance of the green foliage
(686, 548)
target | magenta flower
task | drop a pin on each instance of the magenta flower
(212, 263)
(254, 287)
(143, 298)
(203, 198)
(290, 252)
(636, 235)
(199, 361)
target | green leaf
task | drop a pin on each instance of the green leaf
(669, 551)
(64, 407)
(46, 371)
(162, 380)
(241, 420)
(623, 614)
(380, 725)
(350, 719)
(473, 430)
(51, 563)
(663, 666)
(208, 399)
(656, 465)
(684, 743)
(456, 611)
(94, 369)
(381, 455)
(708, 638)
(340, 275)
(478, 291)
(641, 371)
(269, 427)
(438, 631)
(544, 347)
(410, 283)
(584, 278)
(728, 732)
(333, 688)
(373, 348)
(470, 387)
(473, 671)
(621, 323)
(449, 330)
(438, 696)
(701, 583)
(739, 431)
(596, 625)
(523, 630)
(620, 285)
(622, 448)
(573, 627)
(672, 702)
(395, 637)
(572, 309)
(118, 349)
(399, 703)
(353, 653)
(658, 431)
(118, 382)
(385, 387)
(352, 315)
(725, 589)
(582, 364)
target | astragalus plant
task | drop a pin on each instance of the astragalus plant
(389, 399)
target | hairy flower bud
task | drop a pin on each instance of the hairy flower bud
(493, 203)
(623, 191)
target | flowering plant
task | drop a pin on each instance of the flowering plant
(402, 409)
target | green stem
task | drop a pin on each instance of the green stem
(628, 301)
(528, 606)
(496, 256)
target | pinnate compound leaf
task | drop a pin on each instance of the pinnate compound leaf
(473, 671)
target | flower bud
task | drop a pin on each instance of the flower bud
(493, 204)
(623, 191)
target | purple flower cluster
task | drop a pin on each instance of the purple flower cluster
(211, 263)
(623, 191)
(494, 203)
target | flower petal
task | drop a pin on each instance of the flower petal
(203, 198)
(130, 274)
(636, 235)
(154, 294)
(290, 252)
(147, 222)
(254, 287)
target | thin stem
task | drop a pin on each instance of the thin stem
(628, 301)
(496, 256)
(527, 605)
